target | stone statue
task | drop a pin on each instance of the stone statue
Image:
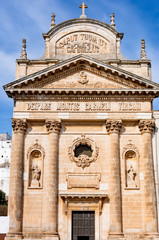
(131, 177)
(36, 173)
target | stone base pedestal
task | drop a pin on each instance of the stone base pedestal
(142, 236)
(50, 237)
(13, 237)
(152, 236)
(114, 236)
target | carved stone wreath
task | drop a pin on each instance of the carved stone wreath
(83, 160)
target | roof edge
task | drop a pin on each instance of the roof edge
(81, 20)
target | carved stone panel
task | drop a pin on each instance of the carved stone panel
(35, 156)
(83, 180)
(82, 43)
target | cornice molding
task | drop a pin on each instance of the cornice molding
(24, 93)
(75, 21)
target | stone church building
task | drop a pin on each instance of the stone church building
(82, 158)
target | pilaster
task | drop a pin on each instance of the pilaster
(113, 128)
(146, 127)
(16, 179)
(50, 191)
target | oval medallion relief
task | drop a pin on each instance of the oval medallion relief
(83, 151)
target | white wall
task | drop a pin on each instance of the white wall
(4, 225)
(5, 158)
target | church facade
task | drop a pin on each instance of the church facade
(82, 157)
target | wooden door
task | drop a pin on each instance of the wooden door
(83, 225)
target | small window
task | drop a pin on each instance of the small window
(83, 150)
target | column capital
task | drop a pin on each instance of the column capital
(146, 126)
(19, 125)
(53, 125)
(113, 126)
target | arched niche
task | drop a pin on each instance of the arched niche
(131, 160)
(35, 156)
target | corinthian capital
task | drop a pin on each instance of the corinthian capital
(146, 126)
(113, 126)
(19, 125)
(53, 125)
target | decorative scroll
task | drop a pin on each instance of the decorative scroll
(131, 158)
(146, 126)
(19, 125)
(85, 158)
(54, 125)
(36, 156)
(113, 126)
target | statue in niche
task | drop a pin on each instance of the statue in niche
(36, 173)
(131, 177)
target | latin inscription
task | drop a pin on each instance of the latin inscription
(82, 43)
(124, 106)
(68, 106)
(85, 106)
(38, 106)
(98, 106)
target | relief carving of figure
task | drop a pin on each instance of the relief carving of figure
(131, 177)
(83, 78)
(36, 173)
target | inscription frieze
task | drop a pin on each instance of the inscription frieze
(36, 106)
(129, 106)
(104, 106)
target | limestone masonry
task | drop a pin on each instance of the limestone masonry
(83, 166)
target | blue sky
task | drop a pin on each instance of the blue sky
(137, 19)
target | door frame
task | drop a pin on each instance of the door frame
(83, 207)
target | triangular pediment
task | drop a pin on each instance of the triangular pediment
(83, 77)
(82, 72)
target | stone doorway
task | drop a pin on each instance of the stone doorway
(83, 225)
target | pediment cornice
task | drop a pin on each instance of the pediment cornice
(77, 63)
(56, 94)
